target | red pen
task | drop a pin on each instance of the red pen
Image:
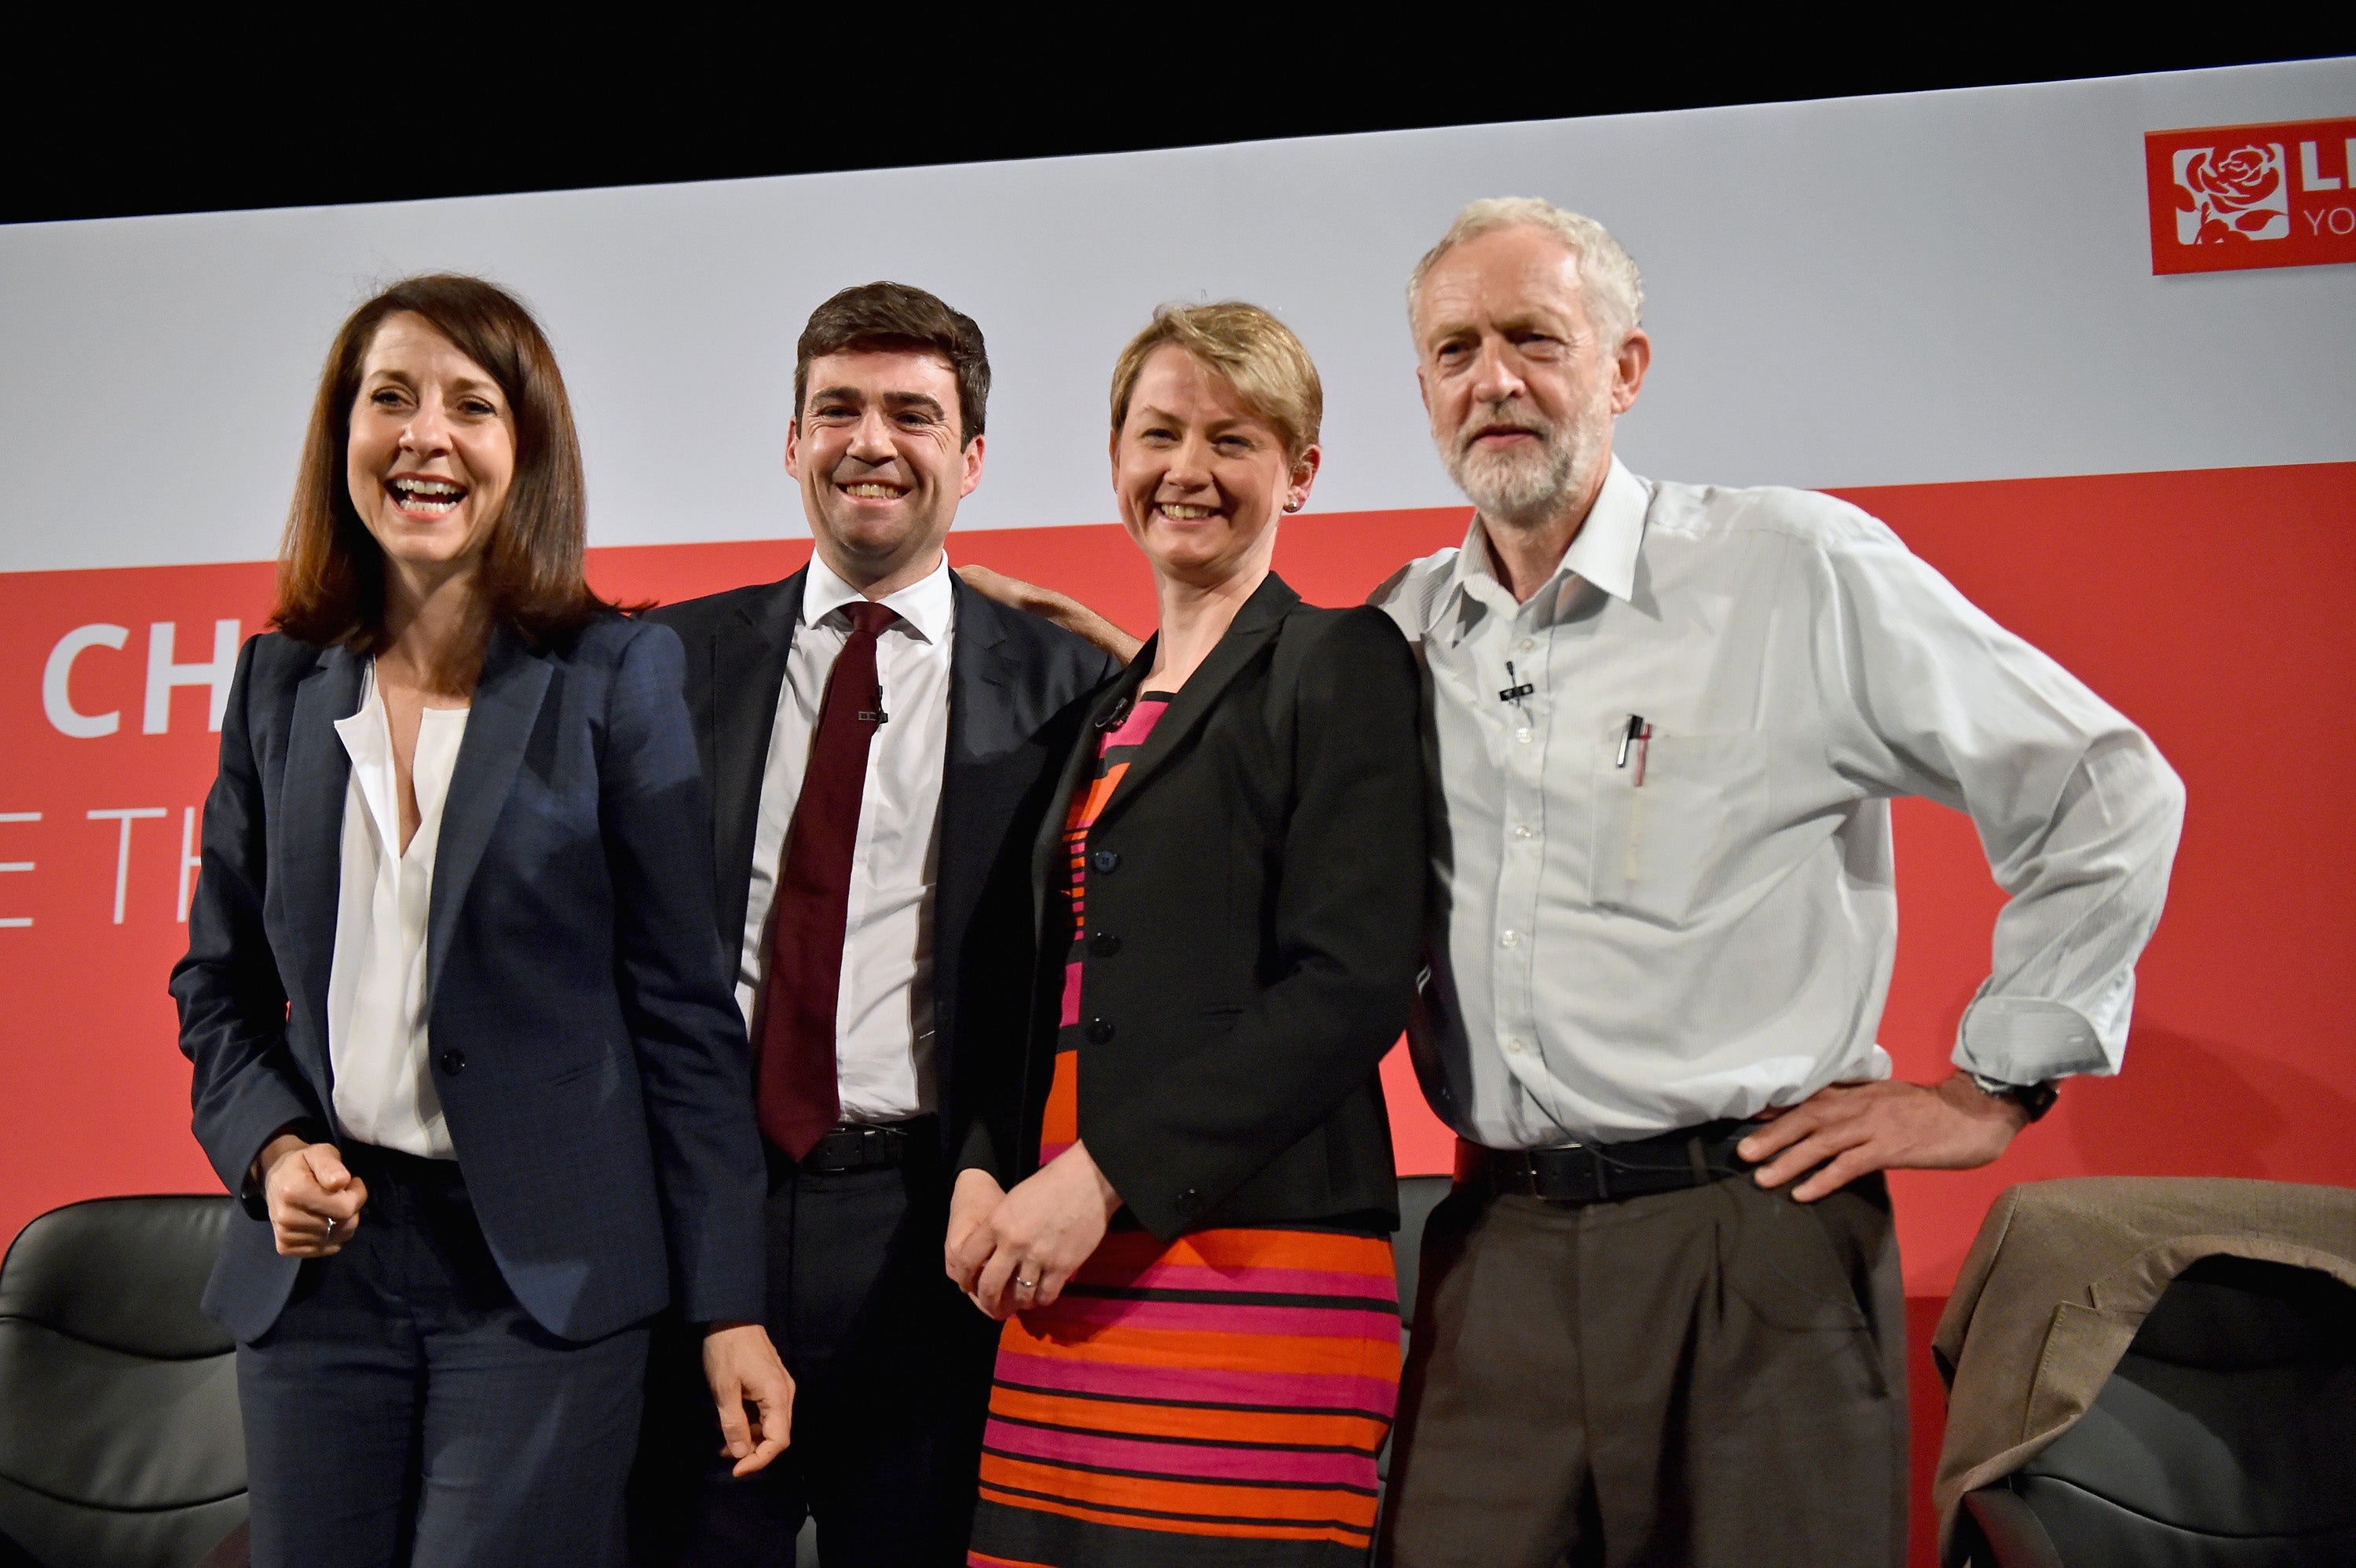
(1638, 734)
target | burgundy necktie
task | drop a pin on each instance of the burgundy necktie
(796, 1093)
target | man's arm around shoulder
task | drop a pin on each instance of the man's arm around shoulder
(1060, 610)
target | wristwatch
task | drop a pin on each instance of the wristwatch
(2034, 1098)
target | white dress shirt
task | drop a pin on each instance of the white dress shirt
(1614, 959)
(884, 1014)
(376, 986)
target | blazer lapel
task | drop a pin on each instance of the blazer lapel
(748, 672)
(507, 702)
(1254, 626)
(1046, 850)
(310, 860)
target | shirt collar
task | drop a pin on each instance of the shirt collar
(927, 607)
(1603, 551)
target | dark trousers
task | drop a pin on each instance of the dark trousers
(1699, 1379)
(404, 1409)
(892, 1372)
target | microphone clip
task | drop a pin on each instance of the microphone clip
(1516, 689)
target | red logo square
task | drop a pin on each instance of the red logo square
(2228, 197)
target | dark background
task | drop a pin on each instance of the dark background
(355, 106)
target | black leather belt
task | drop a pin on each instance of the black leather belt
(868, 1145)
(1606, 1173)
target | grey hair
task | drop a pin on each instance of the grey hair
(1615, 291)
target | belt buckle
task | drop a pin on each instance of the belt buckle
(878, 1145)
(1570, 1180)
(844, 1149)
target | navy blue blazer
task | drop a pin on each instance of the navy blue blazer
(586, 1046)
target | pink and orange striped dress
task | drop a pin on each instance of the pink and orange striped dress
(1219, 1399)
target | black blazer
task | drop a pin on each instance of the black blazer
(586, 1045)
(1255, 889)
(1018, 687)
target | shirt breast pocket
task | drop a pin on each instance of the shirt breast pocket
(1664, 847)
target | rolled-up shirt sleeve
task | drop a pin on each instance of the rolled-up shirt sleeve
(2077, 811)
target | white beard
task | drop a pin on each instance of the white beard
(1526, 489)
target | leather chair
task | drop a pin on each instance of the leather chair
(2226, 1438)
(1417, 1197)
(119, 1441)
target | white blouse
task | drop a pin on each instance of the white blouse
(376, 988)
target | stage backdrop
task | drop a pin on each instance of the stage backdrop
(2104, 379)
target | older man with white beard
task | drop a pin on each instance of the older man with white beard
(1668, 721)
(1661, 1319)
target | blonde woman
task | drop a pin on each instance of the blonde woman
(1182, 1204)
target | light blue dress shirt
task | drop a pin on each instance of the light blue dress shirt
(1639, 930)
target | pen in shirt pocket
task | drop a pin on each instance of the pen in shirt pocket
(1638, 734)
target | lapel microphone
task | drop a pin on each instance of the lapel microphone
(1120, 711)
(1515, 688)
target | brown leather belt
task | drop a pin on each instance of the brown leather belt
(1607, 1173)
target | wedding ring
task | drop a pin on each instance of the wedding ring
(1026, 1285)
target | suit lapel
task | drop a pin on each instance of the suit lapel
(981, 673)
(1254, 626)
(498, 726)
(982, 681)
(749, 650)
(311, 838)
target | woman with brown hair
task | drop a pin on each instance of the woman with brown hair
(1183, 1204)
(462, 1033)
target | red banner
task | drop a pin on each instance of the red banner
(2224, 197)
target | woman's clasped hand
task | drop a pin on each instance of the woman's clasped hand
(1012, 1251)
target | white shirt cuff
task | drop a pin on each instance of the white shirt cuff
(2022, 1040)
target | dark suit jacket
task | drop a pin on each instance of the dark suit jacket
(585, 1040)
(1017, 686)
(1255, 898)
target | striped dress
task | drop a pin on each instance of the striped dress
(1219, 1399)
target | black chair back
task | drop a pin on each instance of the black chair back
(120, 1442)
(2226, 1437)
(1417, 1197)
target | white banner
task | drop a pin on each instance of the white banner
(1919, 289)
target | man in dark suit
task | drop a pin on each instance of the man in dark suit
(880, 743)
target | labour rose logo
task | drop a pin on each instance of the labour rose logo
(2228, 195)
